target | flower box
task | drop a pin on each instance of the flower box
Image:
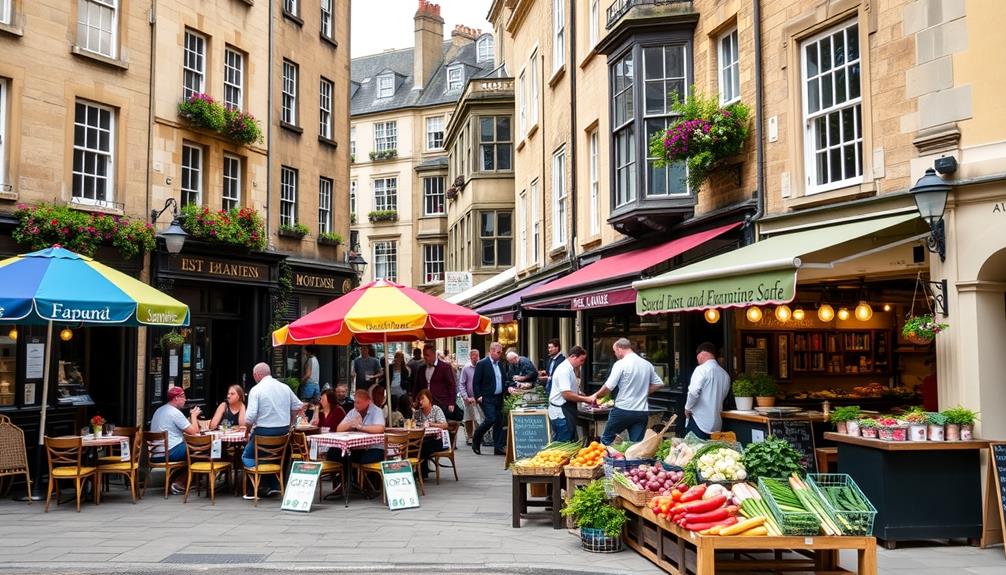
(329, 239)
(296, 231)
(203, 112)
(378, 216)
(383, 155)
(240, 227)
(44, 225)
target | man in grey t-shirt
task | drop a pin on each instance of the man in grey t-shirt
(366, 368)
(169, 418)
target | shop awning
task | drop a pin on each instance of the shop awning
(580, 289)
(487, 286)
(766, 272)
(504, 309)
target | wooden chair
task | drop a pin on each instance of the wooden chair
(129, 469)
(825, 457)
(13, 454)
(452, 431)
(270, 453)
(114, 455)
(416, 437)
(151, 441)
(396, 444)
(198, 455)
(300, 451)
(65, 454)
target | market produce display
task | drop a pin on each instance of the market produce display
(652, 478)
(589, 456)
(723, 464)
(753, 506)
(773, 457)
(709, 510)
(794, 517)
(692, 466)
(554, 455)
(680, 453)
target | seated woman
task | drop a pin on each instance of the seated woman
(329, 413)
(232, 410)
(402, 412)
(429, 415)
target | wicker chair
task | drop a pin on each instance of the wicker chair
(396, 444)
(13, 456)
(452, 431)
(199, 456)
(65, 454)
(300, 451)
(152, 440)
(270, 453)
(130, 469)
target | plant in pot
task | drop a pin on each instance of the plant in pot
(868, 427)
(960, 423)
(922, 329)
(936, 422)
(890, 429)
(744, 392)
(918, 424)
(600, 522)
(172, 340)
(765, 389)
(842, 416)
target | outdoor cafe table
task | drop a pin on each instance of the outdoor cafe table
(345, 441)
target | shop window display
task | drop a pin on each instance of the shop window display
(8, 366)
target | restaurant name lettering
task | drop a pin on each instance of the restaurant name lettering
(59, 311)
(704, 298)
(215, 268)
(313, 281)
(590, 301)
(387, 326)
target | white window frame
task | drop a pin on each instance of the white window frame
(385, 86)
(813, 120)
(386, 256)
(326, 90)
(6, 11)
(434, 188)
(595, 192)
(193, 173)
(455, 78)
(434, 126)
(535, 224)
(352, 141)
(232, 182)
(193, 64)
(595, 22)
(234, 70)
(86, 9)
(352, 199)
(432, 259)
(385, 136)
(289, 86)
(559, 193)
(3, 130)
(291, 7)
(386, 193)
(533, 99)
(94, 155)
(522, 102)
(522, 218)
(558, 34)
(325, 23)
(484, 49)
(728, 61)
(325, 188)
(288, 196)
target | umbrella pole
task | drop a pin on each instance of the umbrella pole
(387, 380)
(36, 490)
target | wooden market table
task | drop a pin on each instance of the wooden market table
(921, 489)
(682, 552)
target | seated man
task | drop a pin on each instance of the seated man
(367, 418)
(169, 418)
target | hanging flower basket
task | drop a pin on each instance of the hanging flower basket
(922, 329)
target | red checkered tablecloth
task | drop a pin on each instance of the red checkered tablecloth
(346, 440)
(104, 441)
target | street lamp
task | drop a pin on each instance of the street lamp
(174, 236)
(357, 262)
(930, 195)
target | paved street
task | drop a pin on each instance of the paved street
(461, 528)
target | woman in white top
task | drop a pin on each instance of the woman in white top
(429, 415)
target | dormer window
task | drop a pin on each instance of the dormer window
(385, 85)
(455, 77)
(485, 49)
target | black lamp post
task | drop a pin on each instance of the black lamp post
(357, 262)
(174, 236)
(930, 195)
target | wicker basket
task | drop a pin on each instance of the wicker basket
(918, 339)
(537, 469)
(584, 472)
(596, 541)
(637, 497)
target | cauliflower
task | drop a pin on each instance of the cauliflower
(721, 465)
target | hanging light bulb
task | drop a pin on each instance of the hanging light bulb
(753, 314)
(12, 333)
(799, 314)
(712, 315)
(863, 311)
(887, 307)
(66, 334)
(843, 314)
(783, 313)
(825, 313)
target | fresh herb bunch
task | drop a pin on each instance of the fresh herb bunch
(868, 423)
(935, 418)
(589, 505)
(960, 416)
(663, 450)
(773, 457)
(743, 387)
(842, 414)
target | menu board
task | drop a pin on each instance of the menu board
(300, 486)
(999, 466)
(529, 432)
(399, 484)
(799, 433)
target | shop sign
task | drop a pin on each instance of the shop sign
(204, 267)
(764, 288)
(501, 318)
(603, 299)
(457, 282)
(318, 282)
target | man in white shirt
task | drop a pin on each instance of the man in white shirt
(635, 379)
(170, 418)
(365, 417)
(564, 395)
(707, 389)
(271, 405)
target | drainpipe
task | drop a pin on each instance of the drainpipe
(541, 181)
(269, 116)
(573, 134)
(749, 222)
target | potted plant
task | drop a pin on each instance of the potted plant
(172, 340)
(765, 389)
(383, 216)
(960, 423)
(295, 231)
(240, 227)
(384, 155)
(922, 329)
(293, 383)
(868, 427)
(890, 429)
(329, 239)
(841, 416)
(600, 522)
(744, 392)
(202, 111)
(241, 127)
(97, 423)
(918, 424)
(936, 422)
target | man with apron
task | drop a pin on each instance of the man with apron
(565, 394)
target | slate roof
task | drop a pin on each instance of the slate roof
(365, 69)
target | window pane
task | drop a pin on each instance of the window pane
(825, 54)
(675, 58)
(503, 157)
(486, 129)
(504, 223)
(826, 92)
(838, 47)
(833, 133)
(653, 59)
(852, 39)
(502, 128)
(854, 81)
(653, 93)
(486, 228)
(840, 86)
(813, 96)
(811, 60)
(503, 249)
(488, 253)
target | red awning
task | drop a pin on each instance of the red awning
(628, 266)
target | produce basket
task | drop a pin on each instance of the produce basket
(637, 497)
(803, 523)
(584, 472)
(518, 469)
(611, 465)
(840, 493)
(669, 467)
(597, 541)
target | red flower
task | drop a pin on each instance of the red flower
(54, 222)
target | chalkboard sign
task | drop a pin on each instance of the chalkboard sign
(530, 432)
(800, 434)
(999, 467)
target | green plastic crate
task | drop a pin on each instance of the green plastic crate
(790, 523)
(850, 522)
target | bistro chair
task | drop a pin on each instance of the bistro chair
(300, 451)
(13, 454)
(452, 431)
(396, 445)
(65, 454)
(130, 469)
(269, 455)
(114, 454)
(199, 456)
(152, 440)
(416, 437)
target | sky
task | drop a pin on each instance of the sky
(378, 25)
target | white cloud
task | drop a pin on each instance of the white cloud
(379, 25)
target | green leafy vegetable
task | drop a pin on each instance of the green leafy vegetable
(589, 505)
(663, 450)
(773, 457)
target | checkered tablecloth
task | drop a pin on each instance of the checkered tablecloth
(104, 441)
(347, 440)
(444, 436)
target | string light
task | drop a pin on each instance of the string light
(712, 315)
(753, 314)
(863, 311)
(799, 314)
(825, 313)
(783, 313)
(843, 314)
(66, 334)
(887, 307)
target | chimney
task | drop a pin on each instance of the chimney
(428, 43)
(462, 35)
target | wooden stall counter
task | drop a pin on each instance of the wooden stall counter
(921, 489)
(682, 552)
